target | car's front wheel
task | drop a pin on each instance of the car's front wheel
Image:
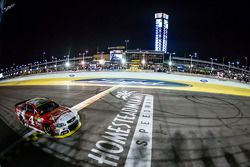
(47, 129)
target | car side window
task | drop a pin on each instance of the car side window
(29, 109)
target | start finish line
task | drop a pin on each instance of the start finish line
(110, 147)
(140, 151)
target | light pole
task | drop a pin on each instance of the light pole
(242, 69)
(102, 61)
(143, 62)
(45, 64)
(223, 62)
(212, 60)
(233, 64)
(170, 60)
(238, 63)
(30, 66)
(123, 62)
(74, 60)
(67, 64)
(191, 62)
(229, 64)
(85, 54)
(38, 65)
(55, 65)
(82, 62)
(83, 57)
(126, 41)
(43, 55)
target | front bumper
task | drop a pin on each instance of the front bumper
(68, 133)
(71, 126)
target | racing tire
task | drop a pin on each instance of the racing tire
(21, 120)
(47, 129)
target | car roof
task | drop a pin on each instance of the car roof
(38, 101)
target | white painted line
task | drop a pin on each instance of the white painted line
(76, 108)
(91, 100)
(140, 151)
(108, 150)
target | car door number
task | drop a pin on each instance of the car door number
(31, 119)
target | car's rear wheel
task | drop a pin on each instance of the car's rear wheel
(22, 120)
(47, 129)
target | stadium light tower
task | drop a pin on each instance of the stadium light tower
(161, 28)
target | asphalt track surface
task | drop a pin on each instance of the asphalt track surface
(188, 129)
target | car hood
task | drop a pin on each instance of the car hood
(60, 114)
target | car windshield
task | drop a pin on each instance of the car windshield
(47, 107)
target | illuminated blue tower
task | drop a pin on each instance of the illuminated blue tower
(161, 31)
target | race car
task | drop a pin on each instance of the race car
(44, 115)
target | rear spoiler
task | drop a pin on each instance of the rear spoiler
(21, 102)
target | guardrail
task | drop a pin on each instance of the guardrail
(208, 62)
(59, 65)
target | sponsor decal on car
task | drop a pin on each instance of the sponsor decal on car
(44, 115)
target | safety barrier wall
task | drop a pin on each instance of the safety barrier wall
(142, 75)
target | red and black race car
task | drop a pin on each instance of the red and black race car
(44, 115)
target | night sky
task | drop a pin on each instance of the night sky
(210, 28)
